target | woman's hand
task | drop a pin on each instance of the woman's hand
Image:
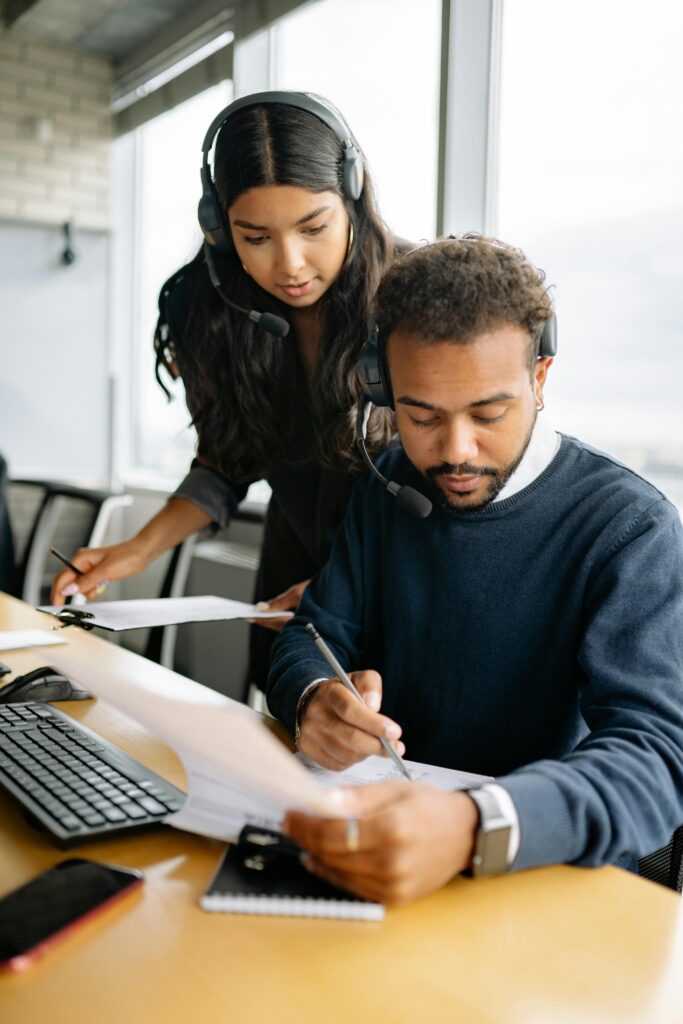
(288, 601)
(99, 566)
(407, 840)
(172, 524)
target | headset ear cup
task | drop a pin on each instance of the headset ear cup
(353, 173)
(384, 370)
(211, 220)
(372, 370)
(225, 243)
(548, 343)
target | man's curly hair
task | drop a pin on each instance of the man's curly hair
(461, 287)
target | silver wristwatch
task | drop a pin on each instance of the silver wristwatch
(491, 851)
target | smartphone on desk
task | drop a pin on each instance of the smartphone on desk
(55, 903)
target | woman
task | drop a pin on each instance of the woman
(303, 240)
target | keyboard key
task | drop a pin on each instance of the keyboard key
(93, 818)
(56, 809)
(133, 791)
(113, 814)
(101, 803)
(69, 821)
(133, 810)
(152, 805)
(41, 712)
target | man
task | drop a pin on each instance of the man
(530, 629)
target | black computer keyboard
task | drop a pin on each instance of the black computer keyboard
(74, 783)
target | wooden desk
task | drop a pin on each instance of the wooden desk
(550, 946)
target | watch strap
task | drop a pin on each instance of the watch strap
(302, 704)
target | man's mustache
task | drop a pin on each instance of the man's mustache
(462, 469)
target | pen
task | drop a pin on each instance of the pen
(66, 562)
(344, 679)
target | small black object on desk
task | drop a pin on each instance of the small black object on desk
(42, 684)
(72, 616)
(262, 873)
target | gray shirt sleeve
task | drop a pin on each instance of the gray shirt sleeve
(213, 493)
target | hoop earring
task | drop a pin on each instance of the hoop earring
(541, 407)
(350, 245)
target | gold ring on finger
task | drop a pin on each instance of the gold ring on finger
(352, 835)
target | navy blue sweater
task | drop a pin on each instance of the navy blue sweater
(539, 640)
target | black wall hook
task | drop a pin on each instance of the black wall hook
(68, 254)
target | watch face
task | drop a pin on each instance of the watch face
(493, 835)
(494, 855)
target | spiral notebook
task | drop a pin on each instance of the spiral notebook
(262, 874)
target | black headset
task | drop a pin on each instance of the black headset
(211, 217)
(216, 230)
(375, 383)
(373, 369)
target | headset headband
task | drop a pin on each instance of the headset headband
(212, 221)
(317, 107)
(375, 380)
(299, 100)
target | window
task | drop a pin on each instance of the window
(590, 172)
(319, 48)
(167, 158)
(378, 62)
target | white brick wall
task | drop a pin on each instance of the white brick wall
(67, 176)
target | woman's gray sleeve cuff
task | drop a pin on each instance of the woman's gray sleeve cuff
(212, 493)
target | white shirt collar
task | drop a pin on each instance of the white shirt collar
(540, 453)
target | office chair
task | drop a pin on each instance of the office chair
(6, 538)
(666, 865)
(161, 642)
(45, 513)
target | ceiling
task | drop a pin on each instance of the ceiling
(114, 29)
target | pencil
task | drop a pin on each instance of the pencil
(66, 562)
(344, 679)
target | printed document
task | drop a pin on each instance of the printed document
(167, 611)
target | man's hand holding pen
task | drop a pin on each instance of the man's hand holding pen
(336, 730)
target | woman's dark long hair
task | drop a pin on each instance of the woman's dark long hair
(238, 380)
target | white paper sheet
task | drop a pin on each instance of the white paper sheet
(221, 807)
(238, 772)
(381, 769)
(17, 639)
(168, 611)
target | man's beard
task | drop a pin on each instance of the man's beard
(499, 477)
